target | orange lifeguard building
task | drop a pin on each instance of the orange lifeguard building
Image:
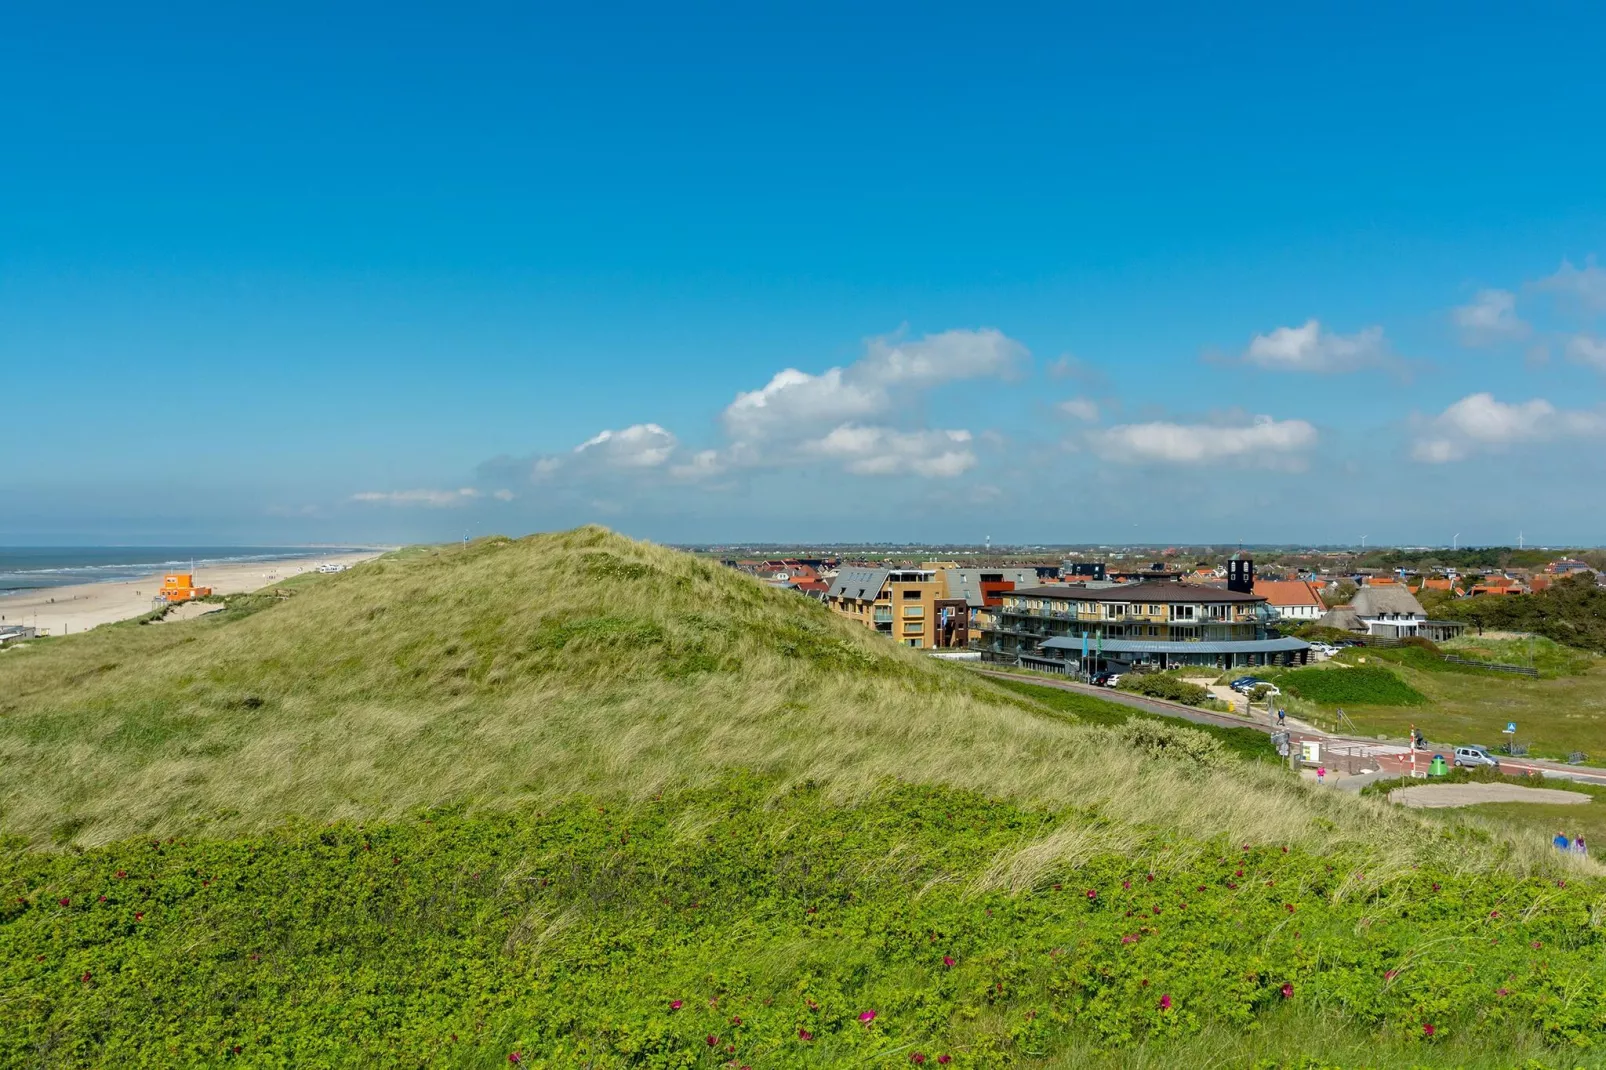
(180, 587)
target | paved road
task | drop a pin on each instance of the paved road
(1392, 758)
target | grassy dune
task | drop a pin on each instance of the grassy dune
(513, 673)
(594, 803)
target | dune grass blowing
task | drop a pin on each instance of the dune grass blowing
(573, 800)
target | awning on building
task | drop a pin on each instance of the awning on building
(1279, 645)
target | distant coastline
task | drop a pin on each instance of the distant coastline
(36, 568)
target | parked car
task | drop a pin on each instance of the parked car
(1271, 689)
(1473, 756)
(1112, 679)
(1243, 683)
(1100, 679)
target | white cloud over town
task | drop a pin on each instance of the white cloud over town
(1588, 350)
(1313, 348)
(1480, 423)
(852, 418)
(1584, 288)
(1085, 409)
(1490, 318)
(1261, 442)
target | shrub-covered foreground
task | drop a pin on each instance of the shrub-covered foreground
(744, 925)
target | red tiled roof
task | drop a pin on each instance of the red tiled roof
(1287, 593)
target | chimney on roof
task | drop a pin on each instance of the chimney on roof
(1241, 574)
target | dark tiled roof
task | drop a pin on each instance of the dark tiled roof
(1139, 592)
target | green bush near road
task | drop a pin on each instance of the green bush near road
(1166, 686)
(1363, 685)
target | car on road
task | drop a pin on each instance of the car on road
(1472, 756)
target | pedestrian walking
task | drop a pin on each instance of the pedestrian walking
(1561, 842)
(1321, 774)
(1579, 848)
(1282, 717)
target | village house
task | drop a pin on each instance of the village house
(1292, 599)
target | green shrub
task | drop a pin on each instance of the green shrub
(754, 924)
(1165, 686)
(1363, 685)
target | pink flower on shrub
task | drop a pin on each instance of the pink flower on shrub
(1150, 878)
(1165, 1002)
(1501, 992)
(1239, 872)
(945, 1059)
(1428, 1030)
(713, 1041)
(65, 901)
(1537, 945)
(1561, 884)
(1126, 885)
(1494, 913)
(805, 1035)
(1390, 975)
(1435, 886)
(515, 1057)
(1290, 907)
(1091, 894)
(948, 961)
(675, 1004)
(1129, 939)
(867, 1016)
(1288, 990)
(917, 1058)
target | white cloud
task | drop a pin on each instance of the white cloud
(1079, 409)
(1262, 442)
(884, 451)
(503, 495)
(428, 499)
(1491, 317)
(1310, 348)
(1478, 422)
(1587, 349)
(792, 400)
(637, 446)
(794, 403)
(701, 465)
(1586, 285)
(1071, 367)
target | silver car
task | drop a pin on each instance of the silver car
(1470, 757)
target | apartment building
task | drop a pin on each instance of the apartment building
(1160, 624)
(910, 606)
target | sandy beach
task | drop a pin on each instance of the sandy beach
(70, 610)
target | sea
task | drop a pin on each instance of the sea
(31, 568)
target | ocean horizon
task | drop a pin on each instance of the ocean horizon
(32, 568)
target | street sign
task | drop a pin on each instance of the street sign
(1511, 727)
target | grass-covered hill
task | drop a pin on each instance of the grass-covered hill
(519, 672)
(577, 801)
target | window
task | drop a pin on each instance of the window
(911, 642)
(910, 592)
(914, 611)
(914, 628)
(1153, 630)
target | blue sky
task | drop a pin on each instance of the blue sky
(393, 273)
